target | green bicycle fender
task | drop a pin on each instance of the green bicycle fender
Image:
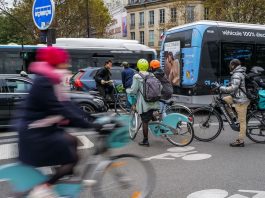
(173, 119)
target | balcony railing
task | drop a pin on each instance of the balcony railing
(151, 23)
(141, 25)
(138, 2)
(132, 26)
(151, 43)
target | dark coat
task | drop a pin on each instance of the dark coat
(102, 74)
(46, 146)
(127, 77)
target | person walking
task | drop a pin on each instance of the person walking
(238, 98)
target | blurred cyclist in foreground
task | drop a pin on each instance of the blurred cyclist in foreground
(41, 140)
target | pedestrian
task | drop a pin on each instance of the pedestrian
(238, 98)
(42, 142)
(167, 89)
(144, 108)
(127, 78)
(104, 83)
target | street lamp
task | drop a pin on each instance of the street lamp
(87, 19)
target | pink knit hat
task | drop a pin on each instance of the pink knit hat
(52, 55)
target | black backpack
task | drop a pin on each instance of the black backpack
(167, 88)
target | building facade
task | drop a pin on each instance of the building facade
(118, 28)
(148, 19)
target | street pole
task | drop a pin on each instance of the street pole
(87, 19)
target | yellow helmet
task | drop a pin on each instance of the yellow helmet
(142, 65)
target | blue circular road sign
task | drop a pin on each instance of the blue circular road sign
(43, 12)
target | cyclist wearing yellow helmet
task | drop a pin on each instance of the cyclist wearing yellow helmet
(145, 109)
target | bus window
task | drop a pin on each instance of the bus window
(243, 52)
(260, 54)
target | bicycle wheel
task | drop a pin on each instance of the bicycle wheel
(122, 102)
(207, 124)
(182, 135)
(256, 127)
(182, 109)
(126, 176)
(134, 124)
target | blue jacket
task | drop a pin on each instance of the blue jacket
(127, 77)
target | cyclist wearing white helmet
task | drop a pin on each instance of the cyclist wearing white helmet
(145, 109)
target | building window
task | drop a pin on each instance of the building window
(142, 37)
(132, 20)
(173, 14)
(151, 38)
(206, 13)
(132, 35)
(141, 15)
(151, 17)
(190, 14)
(162, 15)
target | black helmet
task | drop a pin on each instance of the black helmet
(234, 63)
(257, 70)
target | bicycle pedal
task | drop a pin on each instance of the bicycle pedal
(89, 182)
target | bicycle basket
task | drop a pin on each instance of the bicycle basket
(132, 99)
(120, 88)
(120, 136)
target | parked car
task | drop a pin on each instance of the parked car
(83, 80)
(15, 88)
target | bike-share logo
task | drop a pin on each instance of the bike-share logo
(187, 153)
(43, 13)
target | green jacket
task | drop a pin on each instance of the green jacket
(137, 89)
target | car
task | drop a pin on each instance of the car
(83, 80)
(15, 88)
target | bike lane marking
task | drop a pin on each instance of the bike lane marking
(218, 193)
(186, 153)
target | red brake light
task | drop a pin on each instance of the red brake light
(77, 82)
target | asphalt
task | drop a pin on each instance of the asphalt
(200, 170)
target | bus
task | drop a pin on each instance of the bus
(200, 53)
(84, 52)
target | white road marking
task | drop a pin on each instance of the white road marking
(4, 141)
(196, 157)
(180, 150)
(212, 193)
(10, 151)
(8, 134)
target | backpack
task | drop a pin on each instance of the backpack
(151, 88)
(261, 101)
(167, 89)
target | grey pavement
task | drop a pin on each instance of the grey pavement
(200, 170)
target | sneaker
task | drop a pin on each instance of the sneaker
(144, 143)
(43, 191)
(237, 143)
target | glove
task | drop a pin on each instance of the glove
(102, 82)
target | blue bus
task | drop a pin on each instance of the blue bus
(196, 55)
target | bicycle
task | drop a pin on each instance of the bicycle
(210, 121)
(119, 97)
(175, 127)
(109, 176)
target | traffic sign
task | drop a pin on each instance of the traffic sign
(43, 12)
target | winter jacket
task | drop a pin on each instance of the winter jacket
(41, 140)
(237, 88)
(127, 77)
(137, 89)
(102, 74)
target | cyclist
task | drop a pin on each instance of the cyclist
(145, 109)
(238, 91)
(167, 90)
(104, 82)
(41, 141)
